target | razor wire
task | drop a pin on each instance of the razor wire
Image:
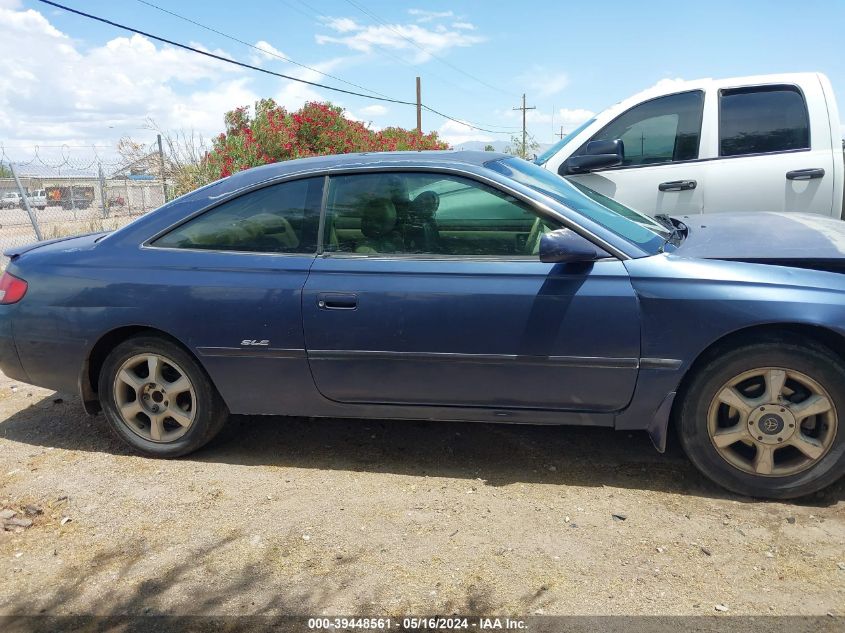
(53, 191)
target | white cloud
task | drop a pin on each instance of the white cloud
(373, 110)
(294, 94)
(467, 26)
(669, 82)
(427, 16)
(542, 124)
(400, 37)
(531, 116)
(268, 52)
(539, 81)
(342, 25)
(54, 92)
(570, 119)
(456, 133)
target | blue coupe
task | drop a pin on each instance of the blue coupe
(454, 286)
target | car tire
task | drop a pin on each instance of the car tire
(167, 407)
(768, 458)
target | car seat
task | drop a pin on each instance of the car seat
(378, 224)
(420, 233)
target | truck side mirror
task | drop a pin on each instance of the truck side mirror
(597, 154)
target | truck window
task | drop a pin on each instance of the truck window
(661, 130)
(762, 119)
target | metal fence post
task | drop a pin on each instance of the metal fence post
(102, 190)
(163, 170)
(25, 199)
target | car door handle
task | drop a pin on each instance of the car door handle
(677, 185)
(337, 301)
(805, 174)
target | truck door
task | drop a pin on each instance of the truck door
(773, 152)
(660, 172)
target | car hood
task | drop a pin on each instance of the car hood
(776, 238)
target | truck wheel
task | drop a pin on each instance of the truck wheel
(768, 419)
(158, 399)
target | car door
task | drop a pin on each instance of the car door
(430, 292)
(659, 173)
(228, 282)
(767, 159)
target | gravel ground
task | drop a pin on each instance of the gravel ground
(392, 518)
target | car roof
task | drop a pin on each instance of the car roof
(317, 164)
(366, 159)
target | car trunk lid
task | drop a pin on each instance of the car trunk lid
(83, 240)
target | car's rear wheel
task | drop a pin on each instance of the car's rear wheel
(767, 420)
(158, 399)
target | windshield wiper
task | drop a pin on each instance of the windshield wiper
(677, 232)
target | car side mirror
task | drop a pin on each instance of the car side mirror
(597, 154)
(565, 246)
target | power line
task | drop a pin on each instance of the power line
(262, 70)
(384, 51)
(423, 49)
(258, 48)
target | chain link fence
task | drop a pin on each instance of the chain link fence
(49, 195)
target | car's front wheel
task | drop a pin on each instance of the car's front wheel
(767, 419)
(158, 399)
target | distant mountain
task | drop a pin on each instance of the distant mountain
(498, 146)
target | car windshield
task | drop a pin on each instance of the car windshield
(633, 226)
(543, 158)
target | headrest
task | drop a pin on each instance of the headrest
(425, 205)
(378, 218)
(397, 189)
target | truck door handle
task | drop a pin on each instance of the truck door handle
(337, 301)
(805, 174)
(677, 185)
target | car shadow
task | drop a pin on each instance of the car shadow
(497, 454)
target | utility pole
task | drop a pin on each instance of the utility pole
(163, 169)
(561, 134)
(524, 108)
(419, 108)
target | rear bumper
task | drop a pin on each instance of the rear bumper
(10, 362)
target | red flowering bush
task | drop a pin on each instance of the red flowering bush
(273, 134)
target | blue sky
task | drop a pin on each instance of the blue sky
(68, 80)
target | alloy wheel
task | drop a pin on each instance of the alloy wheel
(154, 397)
(772, 421)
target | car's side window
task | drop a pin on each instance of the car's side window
(281, 218)
(662, 130)
(762, 119)
(417, 213)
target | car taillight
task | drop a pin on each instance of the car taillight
(12, 289)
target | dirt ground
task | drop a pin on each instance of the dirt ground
(334, 517)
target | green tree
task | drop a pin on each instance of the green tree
(516, 148)
(5, 172)
(489, 148)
